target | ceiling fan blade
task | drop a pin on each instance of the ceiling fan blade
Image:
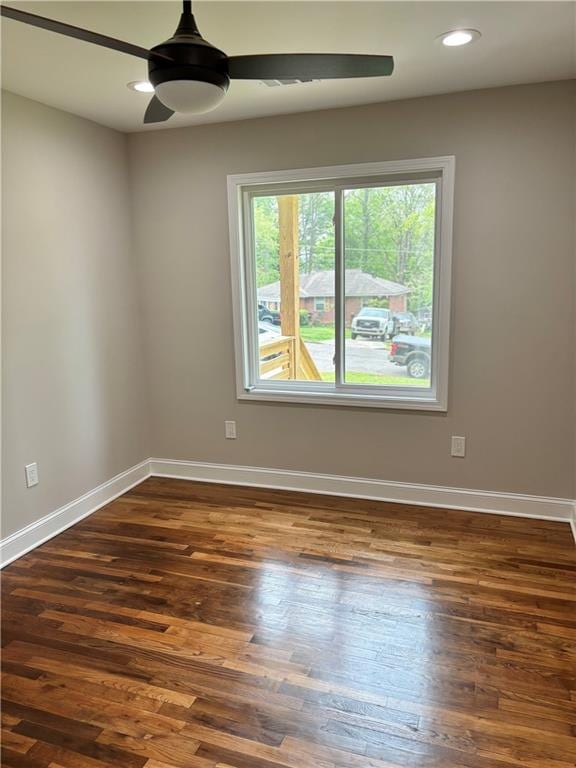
(78, 33)
(308, 66)
(156, 112)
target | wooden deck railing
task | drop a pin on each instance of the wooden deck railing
(278, 360)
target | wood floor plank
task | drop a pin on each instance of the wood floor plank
(191, 625)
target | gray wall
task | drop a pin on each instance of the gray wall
(73, 383)
(88, 288)
(513, 327)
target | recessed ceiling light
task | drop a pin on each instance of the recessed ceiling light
(459, 37)
(142, 86)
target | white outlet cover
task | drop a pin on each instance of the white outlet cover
(458, 446)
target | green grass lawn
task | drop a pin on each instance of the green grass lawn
(319, 332)
(375, 378)
(326, 333)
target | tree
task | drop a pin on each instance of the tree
(316, 231)
(388, 233)
(266, 240)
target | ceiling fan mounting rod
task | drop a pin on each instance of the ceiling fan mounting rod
(187, 7)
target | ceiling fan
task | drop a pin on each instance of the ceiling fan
(189, 74)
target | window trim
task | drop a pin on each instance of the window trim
(240, 189)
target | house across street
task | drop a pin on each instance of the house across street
(317, 294)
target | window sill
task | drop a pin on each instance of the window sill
(355, 400)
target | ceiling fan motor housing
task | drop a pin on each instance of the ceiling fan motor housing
(192, 58)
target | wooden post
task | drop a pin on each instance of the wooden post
(289, 274)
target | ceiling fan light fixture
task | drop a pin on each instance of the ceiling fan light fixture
(142, 86)
(188, 74)
(458, 37)
(190, 96)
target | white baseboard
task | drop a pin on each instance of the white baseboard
(518, 505)
(539, 507)
(16, 545)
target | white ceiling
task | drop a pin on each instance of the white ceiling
(521, 42)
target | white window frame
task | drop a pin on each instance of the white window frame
(240, 189)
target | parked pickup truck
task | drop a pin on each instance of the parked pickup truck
(372, 322)
(414, 353)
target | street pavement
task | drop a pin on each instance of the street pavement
(362, 356)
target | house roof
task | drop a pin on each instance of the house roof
(321, 284)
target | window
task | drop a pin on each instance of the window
(356, 261)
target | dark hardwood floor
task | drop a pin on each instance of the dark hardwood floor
(197, 626)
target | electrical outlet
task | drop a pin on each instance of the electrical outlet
(31, 474)
(458, 446)
(230, 430)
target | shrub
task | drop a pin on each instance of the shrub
(304, 317)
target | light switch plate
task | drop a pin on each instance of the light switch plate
(31, 474)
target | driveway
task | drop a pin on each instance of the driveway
(362, 356)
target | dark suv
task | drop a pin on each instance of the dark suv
(266, 315)
(404, 322)
(414, 353)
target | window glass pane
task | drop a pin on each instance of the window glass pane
(389, 235)
(294, 256)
